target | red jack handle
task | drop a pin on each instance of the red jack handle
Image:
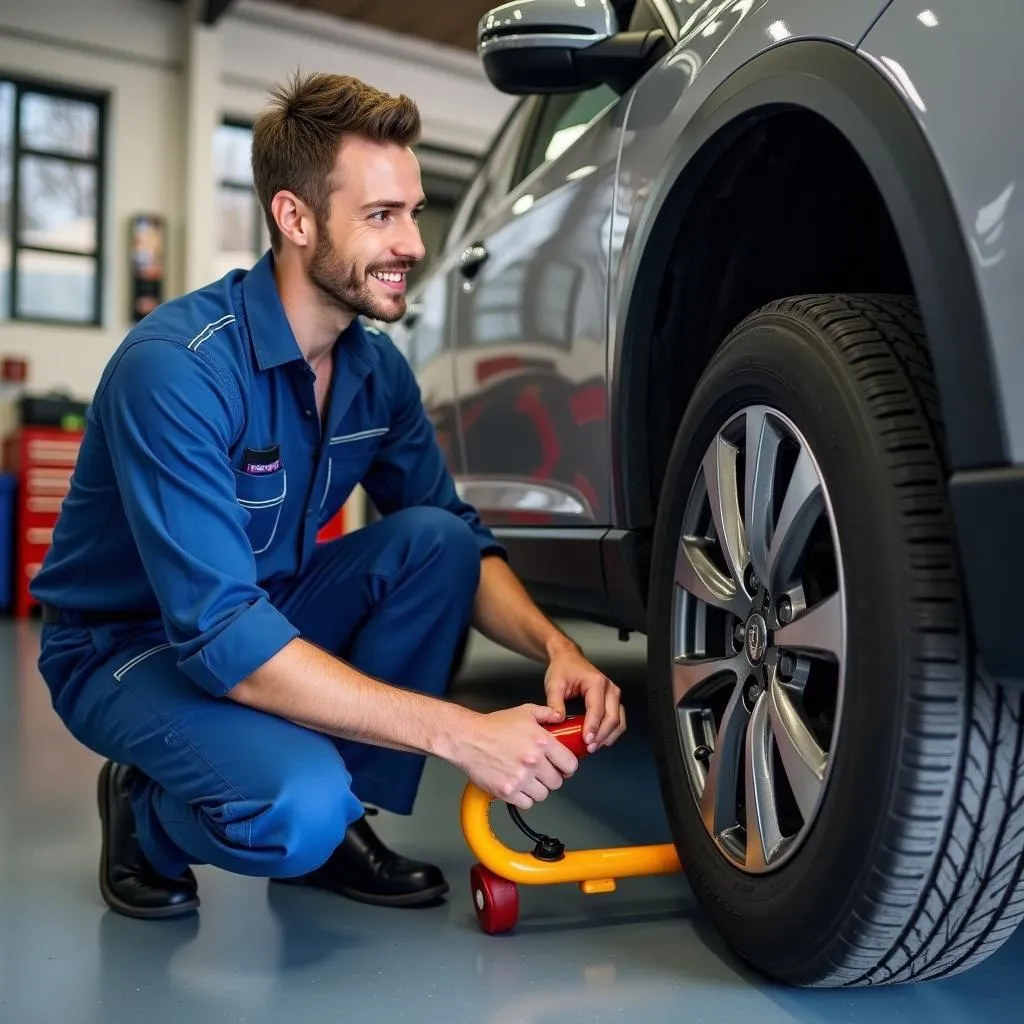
(570, 734)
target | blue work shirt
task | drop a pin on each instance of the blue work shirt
(204, 471)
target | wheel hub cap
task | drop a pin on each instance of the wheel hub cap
(759, 639)
(756, 639)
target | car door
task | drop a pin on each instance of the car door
(424, 334)
(528, 321)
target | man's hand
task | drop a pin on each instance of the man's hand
(569, 675)
(510, 756)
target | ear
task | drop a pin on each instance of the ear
(294, 219)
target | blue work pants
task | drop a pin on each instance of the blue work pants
(231, 786)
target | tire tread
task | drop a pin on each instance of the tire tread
(948, 888)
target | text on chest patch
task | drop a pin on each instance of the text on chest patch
(259, 461)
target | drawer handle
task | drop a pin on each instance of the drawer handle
(44, 504)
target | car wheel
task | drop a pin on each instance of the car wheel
(842, 780)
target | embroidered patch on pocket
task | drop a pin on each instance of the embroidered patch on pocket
(259, 461)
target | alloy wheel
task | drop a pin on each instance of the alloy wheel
(759, 639)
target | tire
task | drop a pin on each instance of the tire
(909, 866)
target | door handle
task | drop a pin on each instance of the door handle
(472, 259)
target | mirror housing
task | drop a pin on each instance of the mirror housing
(530, 47)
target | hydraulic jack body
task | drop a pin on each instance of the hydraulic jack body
(501, 869)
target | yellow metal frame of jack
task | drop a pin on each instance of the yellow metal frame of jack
(595, 870)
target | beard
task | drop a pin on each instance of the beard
(341, 281)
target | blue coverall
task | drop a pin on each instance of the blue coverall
(185, 556)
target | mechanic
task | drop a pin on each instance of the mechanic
(254, 692)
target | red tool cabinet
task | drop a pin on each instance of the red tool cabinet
(43, 459)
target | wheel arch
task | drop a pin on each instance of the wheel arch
(840, 89)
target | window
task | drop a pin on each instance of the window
(51, 203)
(563, 118)
(492, 181)
(242, 235)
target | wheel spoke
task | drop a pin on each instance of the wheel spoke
(762, 448)
(724, 498)
(690, 675)
(803, 760)
(764, 834)
(801, 507)
(768, 523)
(818, 631)
(699, 576)
(718, 802)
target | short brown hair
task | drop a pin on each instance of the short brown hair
(295, 139)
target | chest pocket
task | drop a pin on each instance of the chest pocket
(349, 456)
(262, 496)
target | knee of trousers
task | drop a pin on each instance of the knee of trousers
(440, 537)
(297, 826)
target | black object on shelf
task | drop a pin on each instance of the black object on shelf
(54, 409)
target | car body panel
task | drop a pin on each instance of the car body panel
(956, 76)
(843, 22)
(529, 372)
(528, 337)
(424, 335)
(663, 115)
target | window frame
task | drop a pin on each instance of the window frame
(259, 224)
(101, 99)
(493, 178)
(536, 126)
(524, 120)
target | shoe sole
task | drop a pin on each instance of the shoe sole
(409, 899)
(109, 896)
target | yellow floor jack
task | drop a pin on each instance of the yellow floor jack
(495, 879)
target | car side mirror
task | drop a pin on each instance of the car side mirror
(531, 47)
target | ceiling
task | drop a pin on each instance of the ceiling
(453, 22)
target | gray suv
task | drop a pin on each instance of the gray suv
(724, 342)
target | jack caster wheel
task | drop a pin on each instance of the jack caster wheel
(495, 899)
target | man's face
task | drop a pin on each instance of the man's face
(371, 239)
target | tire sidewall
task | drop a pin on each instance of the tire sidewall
(777, 921)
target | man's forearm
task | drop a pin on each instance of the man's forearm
(310, 687)
(505, 613)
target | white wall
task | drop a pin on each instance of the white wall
(140, 65)
(145, 54)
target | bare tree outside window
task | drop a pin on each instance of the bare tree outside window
(51, 201)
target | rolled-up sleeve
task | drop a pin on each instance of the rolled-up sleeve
(169, 416)
(409, 468)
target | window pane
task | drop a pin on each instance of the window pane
(231, 148)
(56, 287)
(57, 125)
(58, 204)
(236, 220)
(565, 118)
(6, 175)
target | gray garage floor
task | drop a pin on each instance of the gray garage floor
(273, 955)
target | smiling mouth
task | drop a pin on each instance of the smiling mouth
(394, 280)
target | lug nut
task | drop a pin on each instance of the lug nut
(787, 665)
(785, 611)
(753, 692)
(739, 634)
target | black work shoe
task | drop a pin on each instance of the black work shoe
(129, 883)
(364, 869)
